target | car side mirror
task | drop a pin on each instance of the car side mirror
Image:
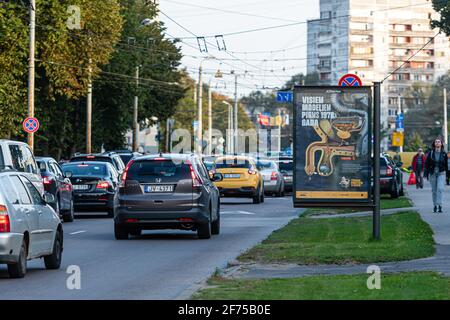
(68, 174)
(49, 198)
(217, 177)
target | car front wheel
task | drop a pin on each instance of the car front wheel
(215, 227)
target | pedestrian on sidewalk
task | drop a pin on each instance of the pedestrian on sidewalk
(435, 170)
(418, 166)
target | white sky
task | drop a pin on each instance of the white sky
(206, 22)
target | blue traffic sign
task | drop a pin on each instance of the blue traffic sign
(285, 96)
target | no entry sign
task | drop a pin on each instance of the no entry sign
(350, 80)
(30, 125)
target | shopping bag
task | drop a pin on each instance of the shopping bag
(412, 179)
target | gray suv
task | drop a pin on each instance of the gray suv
(171, 191)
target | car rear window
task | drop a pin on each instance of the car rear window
(286, 166)
(264, 165)
(126, 158)
(96, 170)
(233, 163)
(91, 158)
(152, 169)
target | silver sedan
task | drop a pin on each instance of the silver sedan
(273, 179)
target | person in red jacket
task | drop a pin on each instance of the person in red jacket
(418, 166)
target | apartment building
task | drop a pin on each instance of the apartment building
(372, 38)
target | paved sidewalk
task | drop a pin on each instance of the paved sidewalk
(439, 222)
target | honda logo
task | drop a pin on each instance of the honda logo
(158, 180)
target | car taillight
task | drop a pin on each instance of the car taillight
(48, 180)
(5, 225)
(196, 182)
(252, 171)
(125, 172)
(103, 185)
(389, 171)
(274, 175)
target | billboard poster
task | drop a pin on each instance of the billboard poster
(332, 146)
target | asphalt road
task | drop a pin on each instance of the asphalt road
(158, 265)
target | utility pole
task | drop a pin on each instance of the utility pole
(376, 161)
(445, 118)
(200, 111)
(399, 112)
(135, 114)
(31, 68)
(89, 111)
(235, 120)
(279, 131)
(209, 119)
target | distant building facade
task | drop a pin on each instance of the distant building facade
(372, 38)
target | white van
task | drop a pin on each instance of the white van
(18, 156)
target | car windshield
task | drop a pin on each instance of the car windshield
(233, 163)
(142, 170)
(85, 169)
(2, 161)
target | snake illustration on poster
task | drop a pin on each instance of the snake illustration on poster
(332, 146)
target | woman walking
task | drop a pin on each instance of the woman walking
(436, 170)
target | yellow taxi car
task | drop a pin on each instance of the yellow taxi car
(241, 179)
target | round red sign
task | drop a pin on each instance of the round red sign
(350, 80)
(30, 125)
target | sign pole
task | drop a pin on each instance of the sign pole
(376, 160)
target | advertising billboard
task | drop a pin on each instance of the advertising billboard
(332, 146)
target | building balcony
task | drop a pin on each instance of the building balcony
(409, 33)
(409, 46)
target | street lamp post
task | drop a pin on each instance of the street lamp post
(31, 68)
(200, 110)
(135, 114)
(230, 128)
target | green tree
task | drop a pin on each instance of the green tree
(13, 60)
(414, 142)
(443, 8)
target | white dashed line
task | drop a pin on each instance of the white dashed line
(77, 232)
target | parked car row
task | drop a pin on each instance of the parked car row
(29, 226)
(37, 194)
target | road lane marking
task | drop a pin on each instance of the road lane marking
(77, 232)
(237, 212)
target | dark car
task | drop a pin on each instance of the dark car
(59, 185)
(391, 177)
(95, 185)
(127, 155)
(171, 191)
(110, 157)
(286, 166)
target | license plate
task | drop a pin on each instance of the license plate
(158, 189)
(231, 176)
(288, 178)
(80, 187)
